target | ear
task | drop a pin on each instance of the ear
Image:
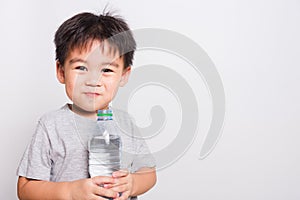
(60, 73)
(125, 76)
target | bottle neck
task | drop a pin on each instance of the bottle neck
(104, 115)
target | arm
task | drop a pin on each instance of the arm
(80, 189)
(143, 180)
(133, 184)
(34, 189)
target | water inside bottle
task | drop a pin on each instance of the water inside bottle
(104, 155)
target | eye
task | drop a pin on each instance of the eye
(106, 70)
(81, 68)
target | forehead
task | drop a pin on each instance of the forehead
(96, 51)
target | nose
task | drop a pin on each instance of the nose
(94, 79)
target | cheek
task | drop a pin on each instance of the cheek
(112, 85)
(71, 86)
(69, 90)
(113, 88)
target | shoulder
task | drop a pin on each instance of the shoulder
(127, 124)
(121, 115)
(54, 116)
(123, 120)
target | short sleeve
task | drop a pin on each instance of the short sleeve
(143, 156)
(36, 161)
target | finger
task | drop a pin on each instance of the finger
(103, 198)
(100, 191)
(97, 197)
(124, 196)
(108, 185)
(117, 182)
(121, 188)
(120, 173)
(101, 180)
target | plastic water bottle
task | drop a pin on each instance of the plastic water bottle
(104, 149)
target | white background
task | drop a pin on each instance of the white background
(255, 46)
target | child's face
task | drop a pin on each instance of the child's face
(92, 77)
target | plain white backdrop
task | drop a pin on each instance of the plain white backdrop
(255, 46)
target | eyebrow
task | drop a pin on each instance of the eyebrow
(77, 60)
(111, 63)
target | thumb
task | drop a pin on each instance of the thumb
(120, 173)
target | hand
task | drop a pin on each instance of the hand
(90, 188)
(123, 184)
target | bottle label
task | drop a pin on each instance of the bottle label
(103, 115)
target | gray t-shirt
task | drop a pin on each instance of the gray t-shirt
(59, 148)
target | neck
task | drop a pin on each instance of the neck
(83, 113)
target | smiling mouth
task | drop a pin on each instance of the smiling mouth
(92, 94)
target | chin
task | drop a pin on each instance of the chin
(95, 108)
(84, 108)
(90, 106)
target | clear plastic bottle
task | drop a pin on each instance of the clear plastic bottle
(104, 149)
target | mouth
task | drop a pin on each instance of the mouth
(92, 94)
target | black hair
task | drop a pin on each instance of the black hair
(82, 29)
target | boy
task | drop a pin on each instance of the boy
(93, 58)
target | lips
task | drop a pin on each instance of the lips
(92, 94)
